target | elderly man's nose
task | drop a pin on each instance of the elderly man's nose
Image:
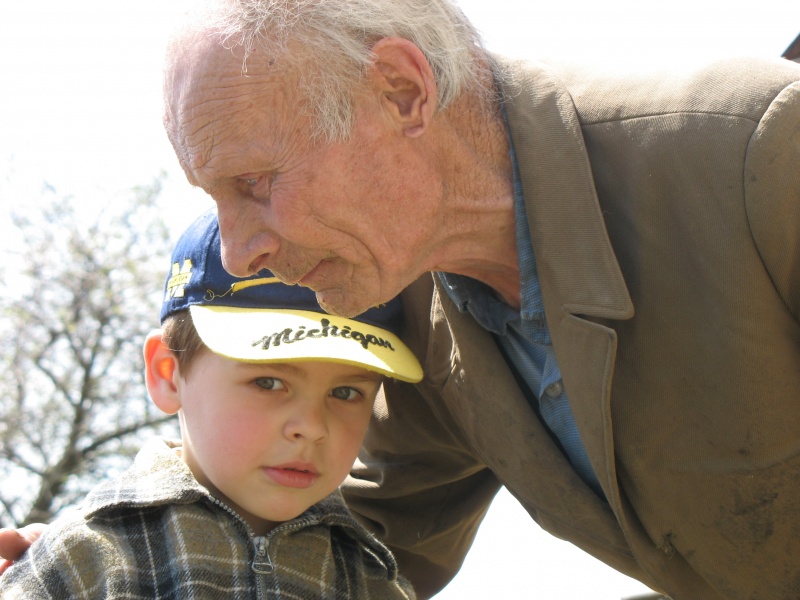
(246, 246)
(243, 260)
(235, 261)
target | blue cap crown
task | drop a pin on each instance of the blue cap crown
(197, 277)
(260, 319)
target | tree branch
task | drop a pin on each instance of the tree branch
(124, 431)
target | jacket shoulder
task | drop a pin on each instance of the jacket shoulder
(772, 188)
(742, 87)
(69, 560)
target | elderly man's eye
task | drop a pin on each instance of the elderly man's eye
(257, 185)
(250, 181)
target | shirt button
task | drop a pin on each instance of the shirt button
(554, 389)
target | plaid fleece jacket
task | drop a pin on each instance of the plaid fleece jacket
(155, 533)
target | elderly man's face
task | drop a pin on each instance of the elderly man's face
(346, 219)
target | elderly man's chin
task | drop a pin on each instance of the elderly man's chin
(344, 302)
(346, 289)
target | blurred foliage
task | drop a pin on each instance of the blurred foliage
(78, 294)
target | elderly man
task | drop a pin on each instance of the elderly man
(611, 326)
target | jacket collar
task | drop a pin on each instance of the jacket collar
(581, 284)
(159, 477)
(573, 253)
(579, 273)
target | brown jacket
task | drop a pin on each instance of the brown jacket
(665, 217)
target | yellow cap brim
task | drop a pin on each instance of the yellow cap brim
(282, 335)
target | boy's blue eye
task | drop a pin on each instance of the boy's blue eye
(270, 383)
(345, 393)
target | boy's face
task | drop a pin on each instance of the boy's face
(270, 440)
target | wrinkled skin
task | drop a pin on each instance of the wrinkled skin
(345, 219)
(357, 220)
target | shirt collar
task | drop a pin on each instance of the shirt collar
(478, 299)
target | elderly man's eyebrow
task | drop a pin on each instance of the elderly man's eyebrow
(233, 175)
(210, 186)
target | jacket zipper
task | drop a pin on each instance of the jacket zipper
(261, 564)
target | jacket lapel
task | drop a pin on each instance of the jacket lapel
(470, 385)
(467, 380)
(579, 273)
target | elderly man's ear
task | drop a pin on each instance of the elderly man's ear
(404, 78)
(161, 373)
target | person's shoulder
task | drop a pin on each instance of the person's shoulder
(371, 562)
(157, 477)
(67, 556)
(772, 190)
(751, 79)
(737, 87)
(72, 537)
(573, 73)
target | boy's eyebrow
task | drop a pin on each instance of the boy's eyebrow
(280, 366)
(367, 375)
(297, 369)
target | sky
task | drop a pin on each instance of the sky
(80, 113)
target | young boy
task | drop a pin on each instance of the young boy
(274, 397)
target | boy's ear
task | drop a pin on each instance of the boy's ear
(404, 78)
(161, 373)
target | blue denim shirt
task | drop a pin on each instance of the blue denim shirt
(524, 339)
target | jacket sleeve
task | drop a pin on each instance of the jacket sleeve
(772, 187)
(419, 485)
(418, 488)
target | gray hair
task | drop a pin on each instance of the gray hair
(330, 44)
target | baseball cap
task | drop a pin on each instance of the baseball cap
(260, 319)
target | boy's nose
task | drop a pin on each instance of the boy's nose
(306, 422)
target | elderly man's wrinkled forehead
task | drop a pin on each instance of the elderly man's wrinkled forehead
(198, 63)
(209, 95)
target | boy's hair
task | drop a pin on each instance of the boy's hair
(260, 319)
(181, 337)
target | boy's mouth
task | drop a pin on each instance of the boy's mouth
(292, 476)
(300, 466)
